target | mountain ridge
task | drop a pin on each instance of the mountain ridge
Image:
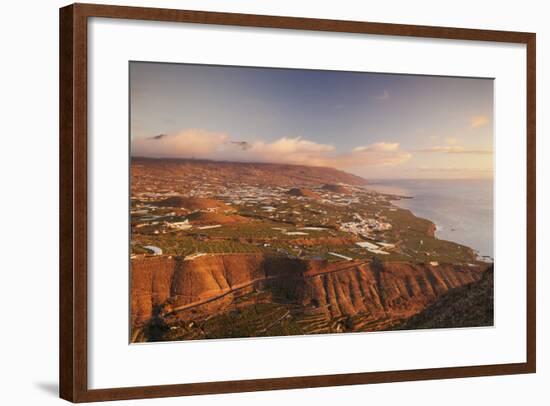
(259, 172)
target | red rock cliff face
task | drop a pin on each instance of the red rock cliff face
(334, 289)
(389, 289)
(210, 276)
(150, 285)
(204, 281)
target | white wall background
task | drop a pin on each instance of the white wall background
(29, 193)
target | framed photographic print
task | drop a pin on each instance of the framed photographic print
(255, 202)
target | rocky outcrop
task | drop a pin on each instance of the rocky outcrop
(303, 192)
(348, 288)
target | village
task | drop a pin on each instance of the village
(273, 214)
(334, 222)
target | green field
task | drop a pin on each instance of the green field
(271, 231)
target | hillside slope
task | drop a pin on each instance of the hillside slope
(241, 172)
(466, 306)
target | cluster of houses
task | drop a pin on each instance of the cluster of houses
(365, 226)
(272, 202)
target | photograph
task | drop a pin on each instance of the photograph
(270, 203)
(276, 202)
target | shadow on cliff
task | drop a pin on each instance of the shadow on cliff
(156, 327)
(285, 278)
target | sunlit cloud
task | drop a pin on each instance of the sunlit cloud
(479, 121)
(291, 150)
(201, 144)
(188, 143)
(304, 152)
(378, 147)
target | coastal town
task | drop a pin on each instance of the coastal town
(203, 214)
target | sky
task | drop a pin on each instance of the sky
(371, 124)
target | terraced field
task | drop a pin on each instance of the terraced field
(258, 315)
(301, 227)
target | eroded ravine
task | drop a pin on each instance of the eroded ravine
(280, 295)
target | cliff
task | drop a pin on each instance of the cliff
(369, 295)
(150, 281)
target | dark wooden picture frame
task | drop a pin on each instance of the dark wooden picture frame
(73, 202)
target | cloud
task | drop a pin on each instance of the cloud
(292, 150)
(384, 96)
(203, 144)
(479, 121)
(288, 145)
(455, 149)
(242, 145)
(188, 143)
(301, 151)
(379, 147)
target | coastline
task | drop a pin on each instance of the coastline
(407, 201)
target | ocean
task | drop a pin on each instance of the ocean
(461, 209)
